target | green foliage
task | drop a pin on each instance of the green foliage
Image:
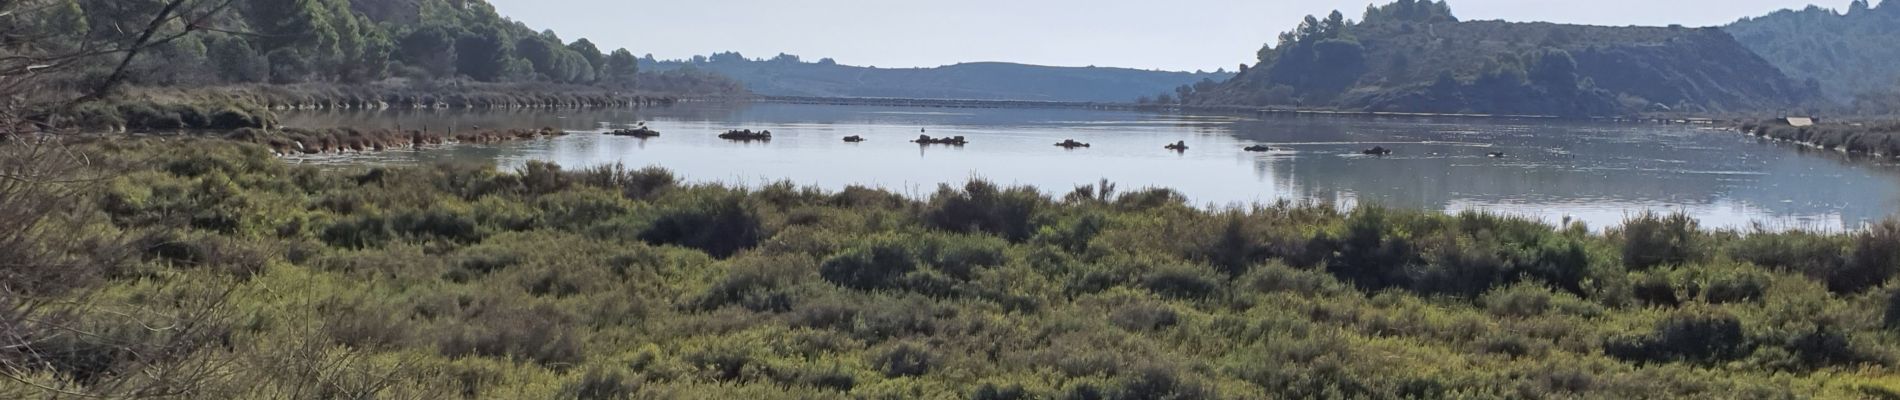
(343, 41)
(545, 282)
(719, 223)
(1651, 240)
(1695, 336)
(983, 207)
(1419, 11)
(905, 359)
(621, 67)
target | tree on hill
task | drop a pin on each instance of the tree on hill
(622, 68)
(1423, 11)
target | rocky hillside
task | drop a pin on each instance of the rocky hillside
(787, 75)
(1416, 57)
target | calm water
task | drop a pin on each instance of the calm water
(1599, 173)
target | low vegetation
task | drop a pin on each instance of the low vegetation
(207, 269)
(1865, 138)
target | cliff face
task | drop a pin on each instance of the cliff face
(1514, 68)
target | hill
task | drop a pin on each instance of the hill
(1849, 54)
(788, 75)
(332, 41)
(1418, 57)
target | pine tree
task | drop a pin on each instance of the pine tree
(622, 68)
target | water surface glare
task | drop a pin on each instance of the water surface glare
(1598, 173)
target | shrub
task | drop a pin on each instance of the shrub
(540, 333)
(723, 362)
(1278, 277)
(576, 210)
(876, 266)
(1874, 260)
(235, 118)
(98, 115)
(189, 116)
(1650, 240)
(982, 207)
(960, 256)
(599, 384)
(990, 391)
(1697, 336)
(1510, 344)
(1518, 301)
(437, 223)
(145, 116)
(540, 178)
(357, 233)
(1826, 346)
(1182, 282)
(1143, 317)
(758, 284)
(719, 224)
(832, 379)
(639, 184)
(905, 359)
(1160, 383)
(1073, 233)
(1371, 254)
(1656, 290)
(1235, 249)
(1891, 318)
(1811, 254)
(1735, 287)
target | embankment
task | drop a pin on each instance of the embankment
(252, 106)
(1880, 139)
(339, 140)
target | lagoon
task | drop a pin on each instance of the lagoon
(1598, 173)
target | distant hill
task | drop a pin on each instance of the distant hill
(1416, 56)
(787, 75)
(1849, 54)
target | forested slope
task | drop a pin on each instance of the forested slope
(330, 41)
(1416, 56)
(1851, 54)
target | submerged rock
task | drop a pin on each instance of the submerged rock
(948, 141)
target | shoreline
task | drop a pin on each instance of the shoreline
(1875, 140)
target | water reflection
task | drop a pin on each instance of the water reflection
(1594, 172)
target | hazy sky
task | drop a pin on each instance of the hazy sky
(1149, 34)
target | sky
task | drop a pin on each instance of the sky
(1180, 35)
